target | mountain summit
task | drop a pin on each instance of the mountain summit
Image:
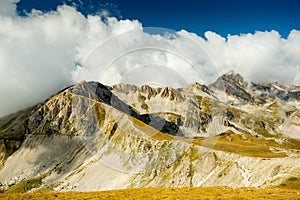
(95, 137)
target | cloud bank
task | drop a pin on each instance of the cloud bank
(8, 7)
(44, 52)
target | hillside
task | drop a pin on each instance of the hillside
(92, 137)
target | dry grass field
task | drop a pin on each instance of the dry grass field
(163, 193)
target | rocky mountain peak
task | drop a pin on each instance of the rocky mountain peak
(234, 84)
(125, 88)
(233, 78)
(275, 90)
(148, 91)
(95, 137)
(199, 87)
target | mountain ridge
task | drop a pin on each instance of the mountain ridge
(140, 136)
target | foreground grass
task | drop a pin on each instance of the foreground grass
(165, 193)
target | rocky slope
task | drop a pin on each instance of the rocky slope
(94, 137)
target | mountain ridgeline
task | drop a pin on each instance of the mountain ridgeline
(94, 137)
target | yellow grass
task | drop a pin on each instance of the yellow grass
(228, 142)
(165, 193)
(150, 131)
(245, 144)
(291, 183)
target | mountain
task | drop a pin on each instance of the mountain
(94, 137)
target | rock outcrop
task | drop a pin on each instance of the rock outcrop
(95, 137)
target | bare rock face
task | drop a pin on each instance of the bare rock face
(95, 137)
(276, 90)
(233, 84)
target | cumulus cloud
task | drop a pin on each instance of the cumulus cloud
(44, 52)
(8, 7)
(38, 53)
(262, 56)
(120, 58)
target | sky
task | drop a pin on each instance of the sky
(221, 16)
(48, 45)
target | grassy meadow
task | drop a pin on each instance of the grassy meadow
(164, 193)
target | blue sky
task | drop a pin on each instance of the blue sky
(40, 53)
(221, 16)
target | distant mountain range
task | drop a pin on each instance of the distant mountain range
(94, 137)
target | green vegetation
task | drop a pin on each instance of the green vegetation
(293, 179)
(194, 154)
(25, 185)
(263, 132)
(291, 183)
(145, 107)
(204, 103)
(10, 148)
(100, 113)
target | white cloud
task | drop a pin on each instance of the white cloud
(262, 56)
(38, 54)
(8, 7)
